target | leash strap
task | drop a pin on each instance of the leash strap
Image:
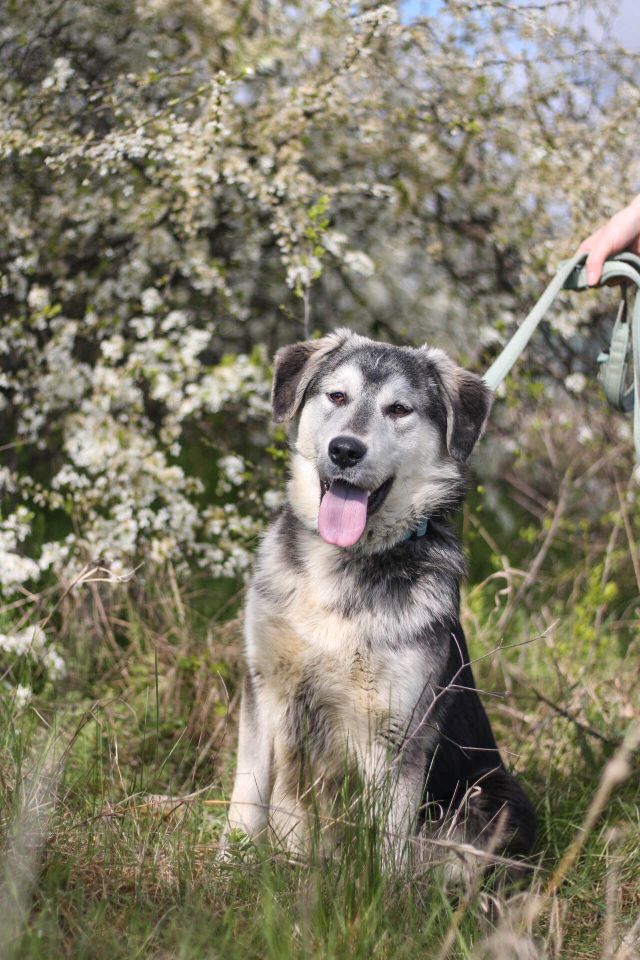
(624, 349)
(613, 369)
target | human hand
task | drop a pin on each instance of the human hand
(621, 232)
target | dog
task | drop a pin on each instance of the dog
(357, 666)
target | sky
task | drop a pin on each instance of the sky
(626, 21)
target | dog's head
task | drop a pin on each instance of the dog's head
(380, 434)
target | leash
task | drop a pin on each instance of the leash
(624, 350)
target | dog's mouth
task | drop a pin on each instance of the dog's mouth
(345, 509)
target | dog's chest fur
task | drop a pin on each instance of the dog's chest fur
(342, 653)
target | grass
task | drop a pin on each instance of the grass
(112, 796)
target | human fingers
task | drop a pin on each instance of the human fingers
(595, 261)
(621, 232)
(598, 246)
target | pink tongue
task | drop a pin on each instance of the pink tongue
(343, 514)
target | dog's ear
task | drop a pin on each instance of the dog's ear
(294, 367)
(467, 400)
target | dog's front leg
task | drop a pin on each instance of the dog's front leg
(400, 824)
(397, 785)
(251, 795)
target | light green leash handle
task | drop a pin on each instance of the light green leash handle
(625, 339)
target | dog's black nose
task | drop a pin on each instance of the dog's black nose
(346, 451)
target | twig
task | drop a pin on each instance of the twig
(611, 895)
(562, 711)
(306, 317)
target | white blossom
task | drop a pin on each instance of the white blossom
(233, 467)
(28, 640)
(22, 695)
(489, 336)
(359, 262)
(32, 642)
(575, 382)
(38, 298)
(60, 75)
(151, 300)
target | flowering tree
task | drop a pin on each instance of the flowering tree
(189, 184)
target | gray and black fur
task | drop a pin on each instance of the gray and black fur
(356, 659)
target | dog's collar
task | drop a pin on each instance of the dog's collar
(420, 532)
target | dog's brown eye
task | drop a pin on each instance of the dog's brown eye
(338, 399)
(398, 410)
